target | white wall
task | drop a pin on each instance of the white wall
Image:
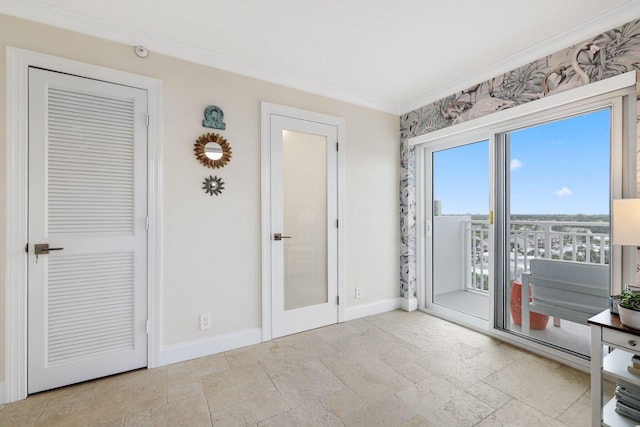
(211, 251)
(448, 253)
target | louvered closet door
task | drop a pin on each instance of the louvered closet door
(87, 194)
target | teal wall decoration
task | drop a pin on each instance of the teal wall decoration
(214, 118)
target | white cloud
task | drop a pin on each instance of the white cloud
(564, 191)
(515, 164)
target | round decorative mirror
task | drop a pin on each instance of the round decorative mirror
(212, 150)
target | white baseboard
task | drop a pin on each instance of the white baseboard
(363, 310)
(410, 304)
(205, 347)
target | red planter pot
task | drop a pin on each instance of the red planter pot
(537, 320)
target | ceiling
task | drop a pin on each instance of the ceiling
(389, 55)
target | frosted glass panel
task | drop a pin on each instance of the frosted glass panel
(305, 219)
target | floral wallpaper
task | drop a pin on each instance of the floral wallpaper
(606, 55)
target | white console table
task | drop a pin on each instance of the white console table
(606, 330)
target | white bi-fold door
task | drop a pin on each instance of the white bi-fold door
(87, 264)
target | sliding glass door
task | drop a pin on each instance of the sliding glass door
(549, 181)
(459, 239)
(558, 192)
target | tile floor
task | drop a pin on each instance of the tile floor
(392, 369)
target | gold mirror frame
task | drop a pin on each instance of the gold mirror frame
(201, 155)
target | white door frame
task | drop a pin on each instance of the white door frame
(269, 109)
(18, 63)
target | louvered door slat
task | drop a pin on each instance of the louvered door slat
(70, 113)
(117, 301)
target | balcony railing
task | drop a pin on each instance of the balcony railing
(586, 242)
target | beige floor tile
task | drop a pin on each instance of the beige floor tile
(410, 370)
(361, 325)
(308, 381)
(179, 388)
(455, 368)
(366, 375)
(246, 355)
(263, 406)
(443, 404)
(541, 359)
(516, 413)
(344, 402)
(307, 346)
(396, 368)
(222, 397)
(281, 355)
(22, 413)
(417, 421)
(489, 395)
(135, 379)
(198, 367)
(114, 423)
(233, 377)
(74, 389)
(463, 350)
(189, 412)
(497, 357)
(387, 412)
(536, 383)
(470, 337)
(402, 350)
(402, 358)
(119, 400)
(337, 331)
(312, 413)
(578, 414)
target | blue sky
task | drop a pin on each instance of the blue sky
(556, 168)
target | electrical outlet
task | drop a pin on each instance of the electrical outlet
(358, 292)
(205, 321)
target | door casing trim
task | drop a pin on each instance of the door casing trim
(18, 62)
(268, 109)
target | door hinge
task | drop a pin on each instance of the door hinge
(146, 119)
(337, 146)
(338, 300)
(146, 223)
(337, 223)
(26, 247)
(146, 326)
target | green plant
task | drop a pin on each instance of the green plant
(630, 300)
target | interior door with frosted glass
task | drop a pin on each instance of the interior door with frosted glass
(303, 228)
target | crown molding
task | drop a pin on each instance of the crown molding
(57, 17)
(577, 34)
